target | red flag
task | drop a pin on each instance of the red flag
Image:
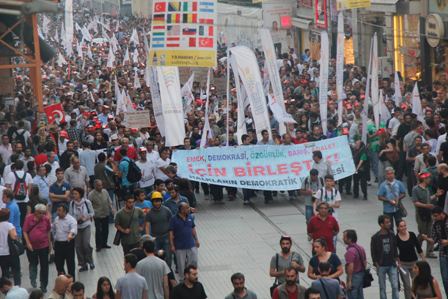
(192, 42)
(205, 42)
(206, 21)
(160, 7)
(54, 112)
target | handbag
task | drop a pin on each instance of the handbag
(16, 247)
(276, 283)
(368, 277)
(118, 235)
(402, 209)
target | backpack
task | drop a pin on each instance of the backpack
(134, 172)
(20, 187)
(73, 206)
(20, 137)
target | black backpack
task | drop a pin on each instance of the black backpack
(134, 172)
(19, 137)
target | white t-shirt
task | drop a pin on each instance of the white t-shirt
(5, 227)
(159, 164)
(152, 156)
(148, 169)
(330, 197)
(394, 123)
(11, 180)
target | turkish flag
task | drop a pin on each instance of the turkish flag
(54, 113)
(205, 42)
(160, 7)
(192, 42)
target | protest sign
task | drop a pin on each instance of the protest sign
(263, 167)
(137, 119)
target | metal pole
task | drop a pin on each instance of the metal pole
(36, 70)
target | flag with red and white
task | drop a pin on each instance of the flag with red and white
(55, 113)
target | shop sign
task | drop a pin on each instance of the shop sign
(351, 4)
(438, 7)
(320, 14)
(434, 29)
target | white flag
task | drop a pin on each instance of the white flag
(126, 56)
(156, 100)
(135, 56)
(56, 35)
(119, 95)
(187, 93)
(134, 38)
(110, 58)
(89, 52)
(323, 79)
(61, 60)
(86, 34)
(247, 69)
(397, 96)
(417, 104)
(45, 25)
(77, 27)
(173, 114)
(68, 22)
(365, 109)
(279, 113)
(242, 102)
(206, 129)
(375, 88)
(79, 49)
(274, 77)
(137, 80)
(340, 66)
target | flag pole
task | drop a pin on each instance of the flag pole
(228, 98)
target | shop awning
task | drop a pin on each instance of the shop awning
(383, 6)
(301, 23)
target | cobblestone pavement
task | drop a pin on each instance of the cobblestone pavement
(241, 238)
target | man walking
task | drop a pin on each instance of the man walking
(59, 192)
(290, 288)
(127, 221)
(310, 186)
(148, 169)
(64, 229)
(323, 225)
(190, 287)
(102, 205)
(285, 259)
(355, 264)
(76, 175)
(391, 192)
(383, 248)
(36, 232)
(158, 223)
(329, 287)
(155, 271)
(239, 289)
(132, 285)
(184, 239)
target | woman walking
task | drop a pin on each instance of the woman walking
(424, 284)
(82, 210)
(408, 245)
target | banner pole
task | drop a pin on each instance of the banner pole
(228, 98)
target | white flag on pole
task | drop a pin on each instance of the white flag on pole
(323, 79)
(79, 49)
(156, 100)
(365, 109)
(110, 58)
(375, 88)
(206, 130)
(121, 107)
(172, 109)
(242, 103)
(126, 56)
(135, 56)
(61, 60)
(68, 22)
(134, 37)
(384, 112)
(45, 25)
(397, 90)
(187, 93)
(417, 104)
(271, 65)
(137, 80)
(340, 66)
(89, 52)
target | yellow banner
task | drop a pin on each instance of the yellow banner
(196, 58)
(351, 4)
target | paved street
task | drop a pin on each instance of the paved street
(244, 238)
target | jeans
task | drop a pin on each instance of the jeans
(373, 157)
(35, 257)
(392, 272)
(101, 232)
(308, 213)
(396, 216)
(357, 292)
(162, 243)
(444, 272)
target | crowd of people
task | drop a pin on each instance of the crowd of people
(63, 180)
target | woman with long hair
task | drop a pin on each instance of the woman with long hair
(424, 284)
(104, 289)
(323, 255)
(408, 247)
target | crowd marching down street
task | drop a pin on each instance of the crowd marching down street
(81, 170)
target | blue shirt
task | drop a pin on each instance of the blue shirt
(391, 191)
(14, 216)
(182, 231)
(174, 206)
(124, 169)
(58, 190)
(44, 187)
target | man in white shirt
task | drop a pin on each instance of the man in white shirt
(20, 183)
(162, 163)
(148, 168)
(329, 194)
(151, 154)
(394, 122)
(5, 149)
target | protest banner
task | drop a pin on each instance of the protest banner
(263, 167)
(137, 119)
